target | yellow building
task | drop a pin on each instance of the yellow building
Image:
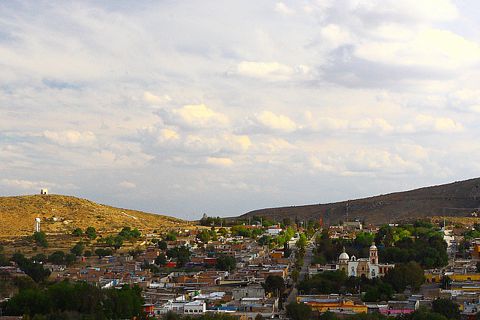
(436, 277)
(332, 305)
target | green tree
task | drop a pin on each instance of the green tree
(103, 252)
(40, 239)
(447, 308)
(162, 245)
(78, 248)
(114, 241)
(226, 263)
(161, 260)
(70, 259)
(204, 236)
(274, 285)
(39, 258)
(327, 316)
(91, 233)
(223, 232)
(57, 257)
(403, 275)
(33, 269)
(171, 236)
(181, 254)
(78, 232)
(298, 311)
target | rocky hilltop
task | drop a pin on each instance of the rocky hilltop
(61, 214)
(454, 199)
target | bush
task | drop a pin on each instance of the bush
(78, 232)
(78, 248)
(91, 233)
(40, 239)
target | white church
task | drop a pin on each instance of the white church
(368, 267)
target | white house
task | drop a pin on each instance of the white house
(274, 230)
(194, 307)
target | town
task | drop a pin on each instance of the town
(250, 269)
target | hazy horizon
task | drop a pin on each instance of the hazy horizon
(226, 107)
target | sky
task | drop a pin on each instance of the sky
(222, 107)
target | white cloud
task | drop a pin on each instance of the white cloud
(273, 121)
(430, 48)
(167, 135)
(154, 99)
(220, 161)
(26, 184)
(127, 185)
(425, 122)
(195, 116)
(270, 70)
(71, 137)
(242, 141)
(336, 35)
(406, 10)
(283, 8)
(390, 86)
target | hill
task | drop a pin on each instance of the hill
(61, 214)
(454, 199)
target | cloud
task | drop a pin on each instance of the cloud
(222, 162)
(242, 141)
(71, 137)
(194, 116)
(154, 99)
(167, 135)
(283, 9)
(26, 184)
(429, 48)
(270, 70)
(406, 10)
(127, 185)
(318, 93)
(440, 124)
(273, 121)
(336, 35)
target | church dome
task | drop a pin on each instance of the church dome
(343, 256)
(373, 246)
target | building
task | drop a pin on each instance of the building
(368, 267)
(274, 230)
(248, 292)
(335, 305)
(194, 307)
(43, 191)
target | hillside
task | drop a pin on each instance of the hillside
(60, 214)
(454, 199)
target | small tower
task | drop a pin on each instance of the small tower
(343, 261)
(37, 224)
(44, 191)
(373, 254)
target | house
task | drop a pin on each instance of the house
(248, 292)
(194, 307)
(274, 230)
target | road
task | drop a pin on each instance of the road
(307, 260)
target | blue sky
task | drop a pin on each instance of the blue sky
(223, 107)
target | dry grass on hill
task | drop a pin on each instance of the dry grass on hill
(62, 214)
